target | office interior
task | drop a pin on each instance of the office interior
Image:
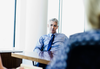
(24, 21)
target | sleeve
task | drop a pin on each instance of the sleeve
(59, 61)
(62, 44)
(39, 45)
(66, 40)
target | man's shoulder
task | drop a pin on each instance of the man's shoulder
(61, 34)
(43, 36)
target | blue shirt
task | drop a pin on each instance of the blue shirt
(43, 42)
(90, 37)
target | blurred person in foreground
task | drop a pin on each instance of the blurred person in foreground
(92, 10)
(1, 65)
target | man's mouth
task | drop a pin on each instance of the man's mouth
(52, 29)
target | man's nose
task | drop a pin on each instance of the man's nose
(52, 26)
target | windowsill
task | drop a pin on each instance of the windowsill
(3, 50)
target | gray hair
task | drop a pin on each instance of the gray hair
(54, 20)
(92, 8)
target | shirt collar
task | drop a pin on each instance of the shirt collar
(51, 34)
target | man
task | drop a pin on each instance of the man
(59, 39)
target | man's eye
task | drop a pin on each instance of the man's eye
(55, 25)
(51, 25)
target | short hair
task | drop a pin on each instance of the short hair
(92, 8)
(54, 20)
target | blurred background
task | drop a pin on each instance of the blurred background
(22, 22)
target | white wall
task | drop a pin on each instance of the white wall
(72, 17)
(6, 24)
(31, 23)
(53, 10)
(36, 22)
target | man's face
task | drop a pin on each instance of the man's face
(52, 27)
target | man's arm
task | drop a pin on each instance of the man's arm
(61, 42)
(39, 45)
(59, 61)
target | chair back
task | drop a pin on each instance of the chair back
(29, 67)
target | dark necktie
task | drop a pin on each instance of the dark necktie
(50, 42)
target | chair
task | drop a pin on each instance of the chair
(29, 67)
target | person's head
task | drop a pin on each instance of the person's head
(53, 25)
(92, 9)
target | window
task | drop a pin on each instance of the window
(53, 9)
(72, 17)
(70, 14)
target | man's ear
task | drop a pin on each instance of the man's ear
(57, 27)
(47, 25)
